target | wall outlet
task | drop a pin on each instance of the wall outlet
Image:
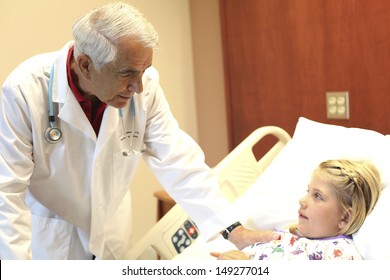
(337, 105)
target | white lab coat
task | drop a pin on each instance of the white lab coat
(74, 194)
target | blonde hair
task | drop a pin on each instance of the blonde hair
(357, 186)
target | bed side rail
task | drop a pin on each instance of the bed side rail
(240, 168)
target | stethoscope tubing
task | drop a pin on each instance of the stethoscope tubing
(51, 111)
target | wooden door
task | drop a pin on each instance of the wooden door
(282, 56)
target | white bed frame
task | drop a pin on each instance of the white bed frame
(236, 172)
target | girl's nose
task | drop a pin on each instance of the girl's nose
(302, 201)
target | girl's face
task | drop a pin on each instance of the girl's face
(320, 214)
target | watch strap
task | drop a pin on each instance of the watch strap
(229, 229)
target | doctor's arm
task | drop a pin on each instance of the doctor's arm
(179, 164)
(16, 167)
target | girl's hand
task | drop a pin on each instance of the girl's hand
(230, 255)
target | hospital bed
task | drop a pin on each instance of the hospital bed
(266, 191)
(236, 172)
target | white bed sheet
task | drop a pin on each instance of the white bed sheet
(272, 201)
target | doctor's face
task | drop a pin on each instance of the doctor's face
(117, 81)
(320, 214)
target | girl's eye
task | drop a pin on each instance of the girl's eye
(317, 196)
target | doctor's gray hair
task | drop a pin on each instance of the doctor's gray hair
(97, 33)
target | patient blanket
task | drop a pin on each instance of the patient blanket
(294, 247)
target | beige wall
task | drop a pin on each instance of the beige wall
(209, 80)
(31, 27)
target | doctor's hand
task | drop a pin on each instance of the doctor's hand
(242, 237)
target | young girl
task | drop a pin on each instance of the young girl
(340, 196)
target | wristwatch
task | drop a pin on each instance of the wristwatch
(229, 229)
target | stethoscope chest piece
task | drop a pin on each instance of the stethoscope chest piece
(53, 135)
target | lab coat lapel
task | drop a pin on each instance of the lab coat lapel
(72, 113)
(107, 128)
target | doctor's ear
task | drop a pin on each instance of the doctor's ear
(84, 64)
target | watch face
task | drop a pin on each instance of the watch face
(225, 234)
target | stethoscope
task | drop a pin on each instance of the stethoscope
(52, 133)
(130, 139)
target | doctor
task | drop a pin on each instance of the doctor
(74, 125)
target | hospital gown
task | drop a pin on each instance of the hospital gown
(293, 247)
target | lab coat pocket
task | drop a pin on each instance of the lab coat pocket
(125, 166)
(50, 238)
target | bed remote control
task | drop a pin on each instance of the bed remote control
(184, 235)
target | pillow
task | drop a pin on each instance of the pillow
(318, 142)
(272, 202)
(369, 239)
